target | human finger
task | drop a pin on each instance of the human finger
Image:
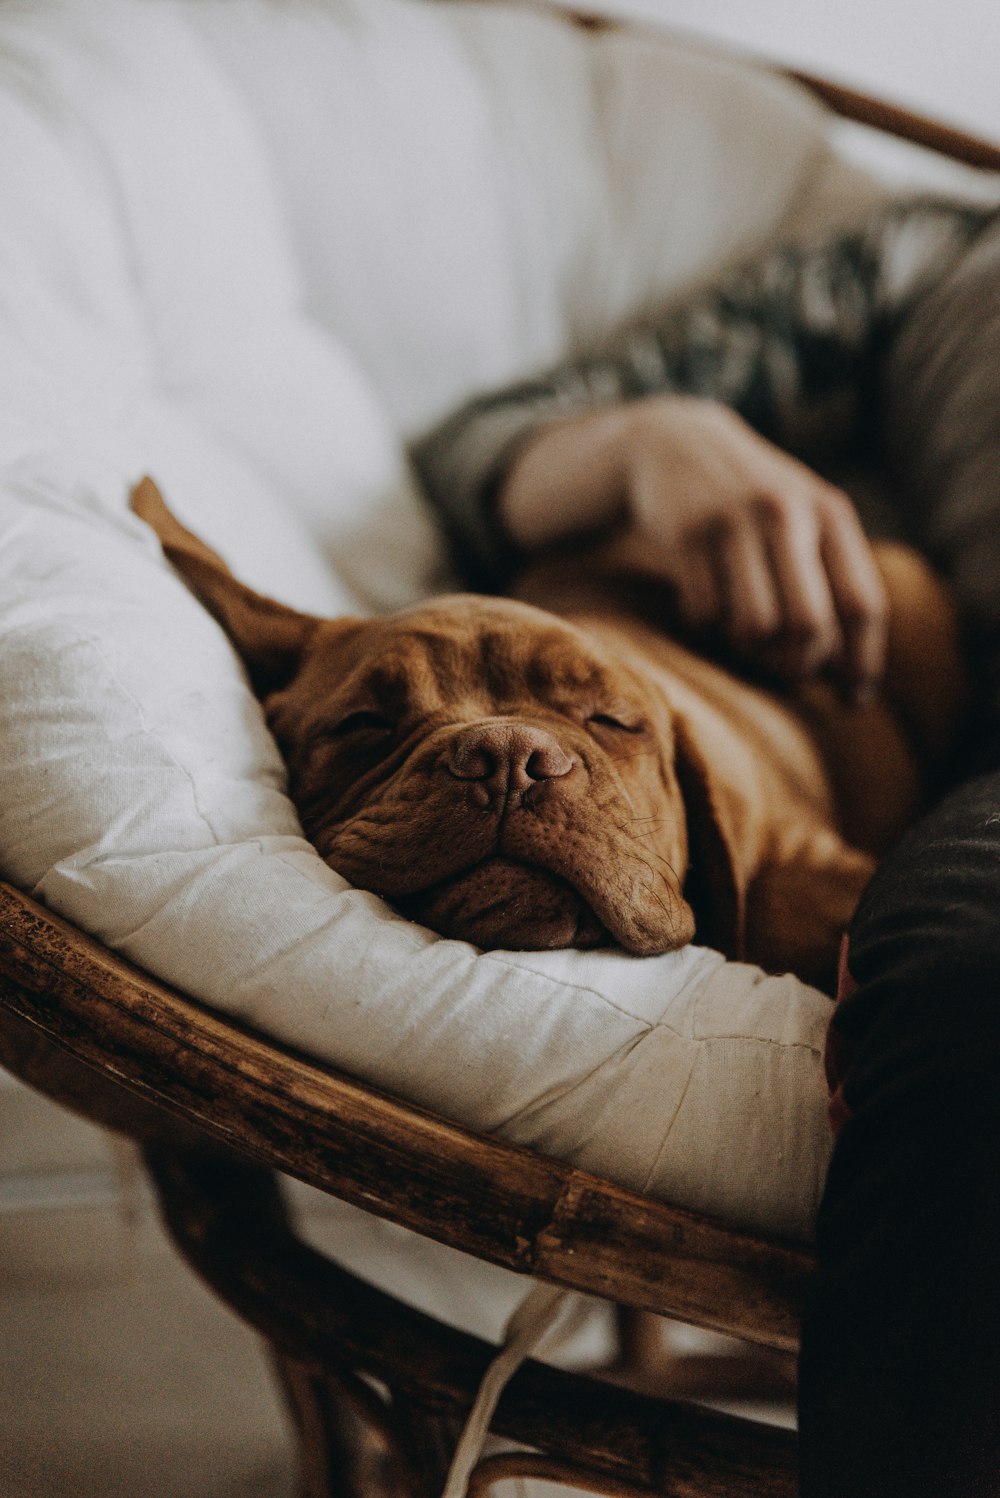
(750, 605)
(699, 594)
(858, 592)
(810, 634)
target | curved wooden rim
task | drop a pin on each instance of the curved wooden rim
(497, 1201)
(849, 103)
(905, 124)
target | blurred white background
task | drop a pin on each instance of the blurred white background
(937, 57)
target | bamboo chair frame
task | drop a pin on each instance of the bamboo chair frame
(377, 1391)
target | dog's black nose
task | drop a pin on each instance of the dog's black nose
(506, 756)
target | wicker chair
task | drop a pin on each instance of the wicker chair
(377, 1391)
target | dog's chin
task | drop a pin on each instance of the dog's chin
(502, 903)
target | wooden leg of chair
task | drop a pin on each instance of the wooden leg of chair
(341, 1453)
(642, 1340)
(429, 1440)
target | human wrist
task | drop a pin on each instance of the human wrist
(568, 479)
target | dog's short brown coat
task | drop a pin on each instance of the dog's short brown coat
(571, 776)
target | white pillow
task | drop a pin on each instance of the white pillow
(150, 307)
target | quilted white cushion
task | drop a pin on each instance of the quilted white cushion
(472, 189)
(244, 247)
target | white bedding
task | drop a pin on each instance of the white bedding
(247, 247)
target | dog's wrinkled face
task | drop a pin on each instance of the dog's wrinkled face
(480, 764)
(490, 768)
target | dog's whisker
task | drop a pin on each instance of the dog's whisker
(654, 879)
(656, 819)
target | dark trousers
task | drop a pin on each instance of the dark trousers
(900, 1366)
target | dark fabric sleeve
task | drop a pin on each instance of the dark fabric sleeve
(941, 422)
(793, 341)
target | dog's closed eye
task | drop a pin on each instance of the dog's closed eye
(621, 720)
(362, 722)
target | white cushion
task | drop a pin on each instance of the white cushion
(174, 263)
(474, 188)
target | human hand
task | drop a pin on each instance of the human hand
(753, 541)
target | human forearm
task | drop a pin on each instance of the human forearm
(569, 479)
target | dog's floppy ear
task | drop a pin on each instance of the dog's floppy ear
(714, 887)
(268, 636)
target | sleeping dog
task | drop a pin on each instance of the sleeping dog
(528, 777)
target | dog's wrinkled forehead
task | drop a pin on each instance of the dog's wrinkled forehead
(464, 648)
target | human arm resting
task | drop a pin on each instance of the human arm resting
(614, 438)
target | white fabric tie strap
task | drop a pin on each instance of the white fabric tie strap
(524, 1332)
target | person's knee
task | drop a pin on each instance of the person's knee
(920, 1014)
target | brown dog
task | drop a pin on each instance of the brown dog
(523, 780)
